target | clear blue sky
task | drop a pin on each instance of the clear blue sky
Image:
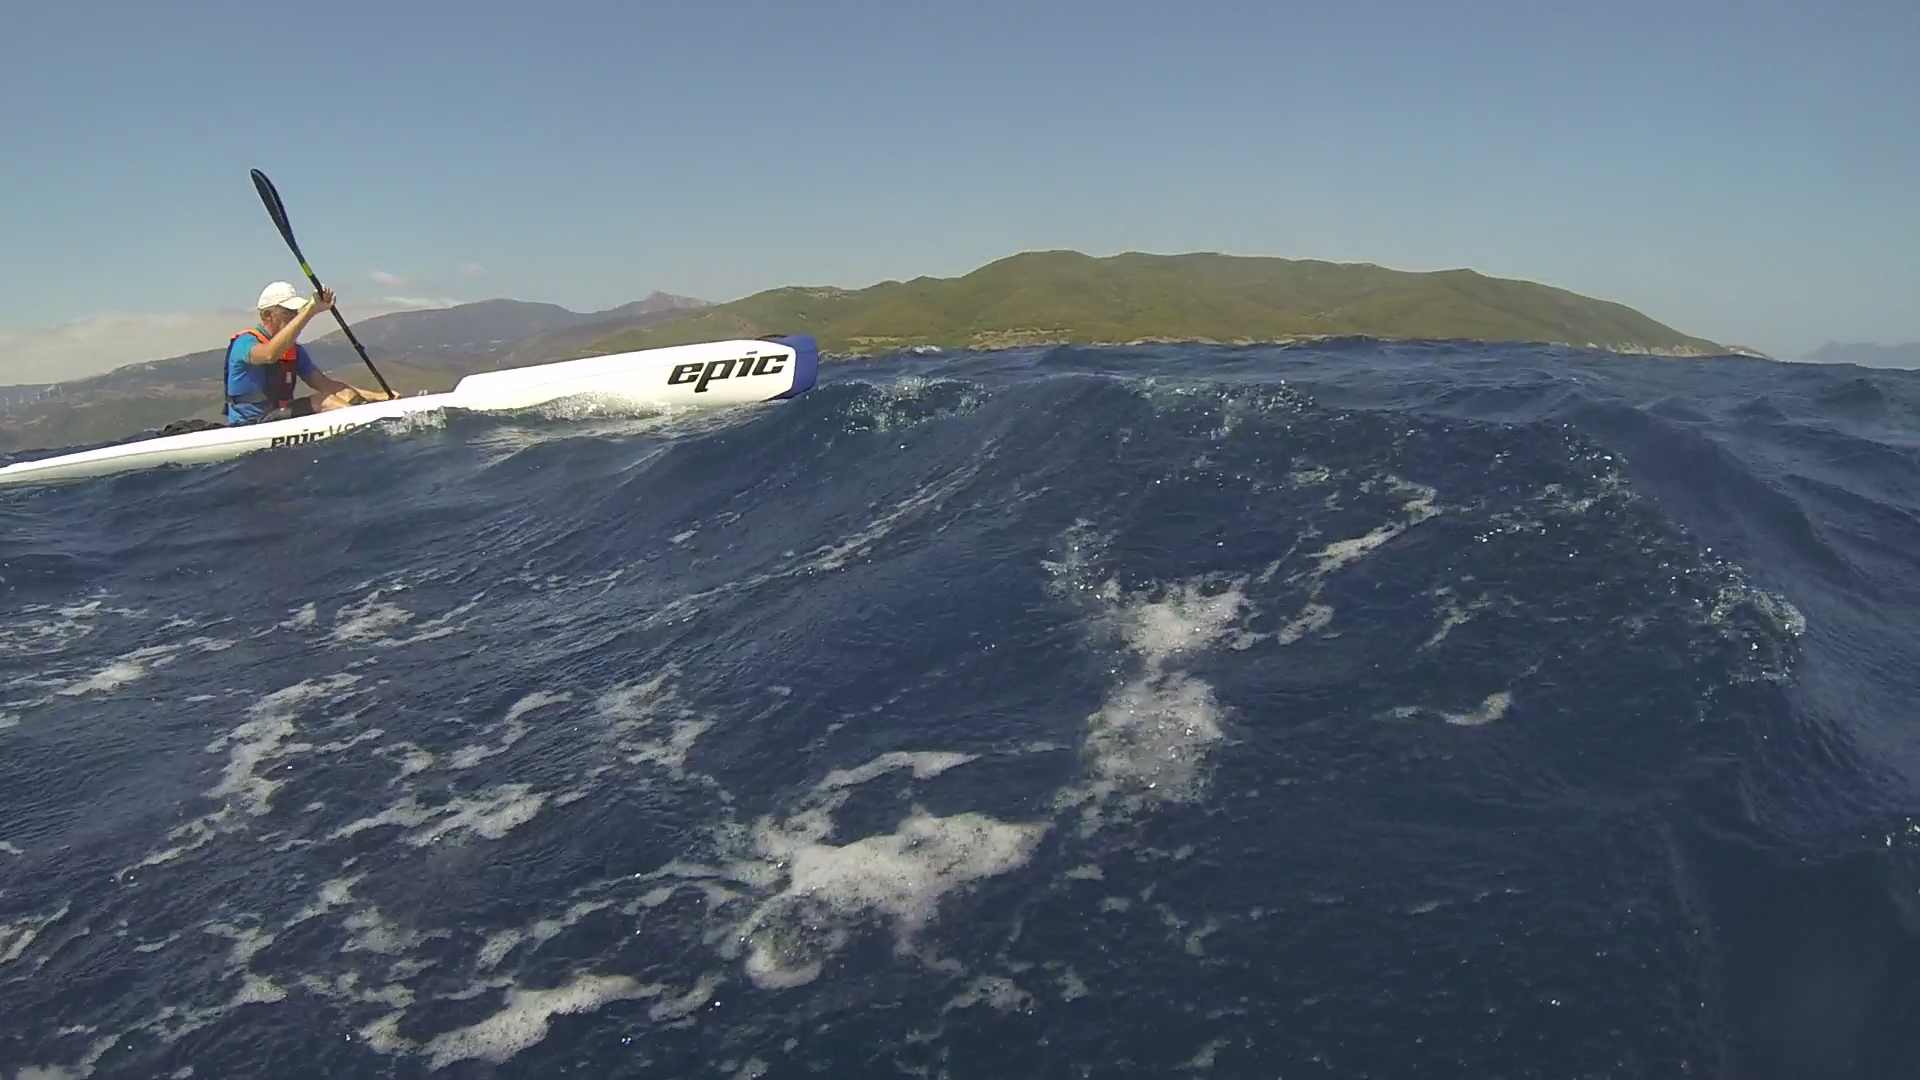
(1742, 170)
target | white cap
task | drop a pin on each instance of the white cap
(280, 294)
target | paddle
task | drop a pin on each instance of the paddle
(279, 211)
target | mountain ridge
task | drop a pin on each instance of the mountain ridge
(1044, 297)
(1035, 297)
(416, 350)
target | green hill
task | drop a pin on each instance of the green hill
(1037, 297)
(1065, 296)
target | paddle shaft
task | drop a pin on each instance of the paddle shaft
(278, 211)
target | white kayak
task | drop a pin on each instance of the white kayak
(708, 375)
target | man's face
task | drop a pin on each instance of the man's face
(276, 319)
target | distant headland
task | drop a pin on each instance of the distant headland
(1046, 297)
(1034, 298)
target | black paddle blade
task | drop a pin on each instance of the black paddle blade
(277, 210)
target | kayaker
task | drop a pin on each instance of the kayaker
(265, 362)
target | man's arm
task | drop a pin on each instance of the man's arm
(323, 382)
(327, 384)
(276, 347)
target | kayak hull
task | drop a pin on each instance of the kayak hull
(708, 375)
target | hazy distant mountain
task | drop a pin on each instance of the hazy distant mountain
(472, 337)
(463, 324)
(1890, 356)
(145, 397)
(415, 350)
(456, 340)
(13, 396)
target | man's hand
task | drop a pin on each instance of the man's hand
(322, 300)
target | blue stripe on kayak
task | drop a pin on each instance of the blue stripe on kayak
(806, 363)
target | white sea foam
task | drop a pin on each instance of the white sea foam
(1151, 741)
(686, 1004)
(373, 932)
(1493, 708)
(1072, 986)
(16, 935)
(367, 930)
(924, 766)
(1182, 621)
(1312, 619)
(346, 987)
(79, 1070)
(902, 875)
(546, 930)
(1315, 615)
(510, 730)
(994, 991)
(369, 620)
(333, 893)
(47, 629)
(120, 671)
(253, 750)
(791, 894)
(412, 758)
(523, 1020)
(807, 894)
(891, 406)
(247, 941)
(490, 815)
(137, 665)
(264, 739)
(650, 724)
(498, 946)
(257, 990)
(376, 621)
(1202, 1060)
(1454, 615)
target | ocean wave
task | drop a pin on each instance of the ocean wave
(1059, 711)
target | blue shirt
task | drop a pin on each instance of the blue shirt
(244, 378)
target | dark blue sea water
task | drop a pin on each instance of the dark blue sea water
(1427, 711)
